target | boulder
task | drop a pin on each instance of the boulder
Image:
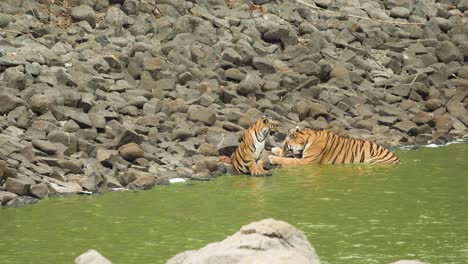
(91, 257)
(84, 12)
(16, 186)
(9, 102)
(5, 197)
(131, 151)
(40, 190)
(264, 242)
(202, 114)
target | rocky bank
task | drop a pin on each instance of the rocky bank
(103, 94)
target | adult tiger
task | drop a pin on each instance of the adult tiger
(321, 146)
(247, 157)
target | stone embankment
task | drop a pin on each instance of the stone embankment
(264, 242)
(104, 94)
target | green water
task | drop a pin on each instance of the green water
(350, 213)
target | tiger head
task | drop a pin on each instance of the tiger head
(294, 143)
(266, 126)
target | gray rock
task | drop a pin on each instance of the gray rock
(182, 132)
(5, 19)
(207, 149)
(463, 5)
(45, 146)
(446, 51)
(131, 151)
(250, 84)
(443, 123)
(67, 139)
(433, 104)
(406, 126)
(266, 241)
(9, 102)
(39, 103)
(91, 257)
(16, 186)
(131, 6)
(127, 136)
(307, 67)
(5, 197)
(265, 65)
(421, 118)
(287, 35)
(116, 17)
(72, 166)
(202, 114)
(401, 90)
(40, 190)
(142, 183)
(21, 200)
(400, 12)
(84, 12)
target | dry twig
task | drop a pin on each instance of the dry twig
(27, 34)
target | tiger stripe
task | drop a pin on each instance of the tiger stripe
(247, 157)
(326, 147)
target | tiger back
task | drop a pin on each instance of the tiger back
(326, 147)
(247, 157)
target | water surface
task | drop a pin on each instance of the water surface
(350, 213)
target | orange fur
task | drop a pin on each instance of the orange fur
(247, 157)
(329, 148)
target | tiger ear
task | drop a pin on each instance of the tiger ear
(298, 129)
(265, 119)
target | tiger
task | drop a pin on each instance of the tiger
(326, 147)
(247, 157)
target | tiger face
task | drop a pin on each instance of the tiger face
(294, 143)
(267, 126)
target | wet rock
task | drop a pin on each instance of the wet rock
(258, 242)
(91, 257)
(16, 186)
(22, 200)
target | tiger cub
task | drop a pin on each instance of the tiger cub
(247, 157)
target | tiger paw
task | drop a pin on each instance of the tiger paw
(272, 159)
(277, 151)
(263, 173)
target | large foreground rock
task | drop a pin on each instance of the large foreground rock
(265, 242)
(91, 257)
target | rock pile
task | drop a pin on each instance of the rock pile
(103, 94)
